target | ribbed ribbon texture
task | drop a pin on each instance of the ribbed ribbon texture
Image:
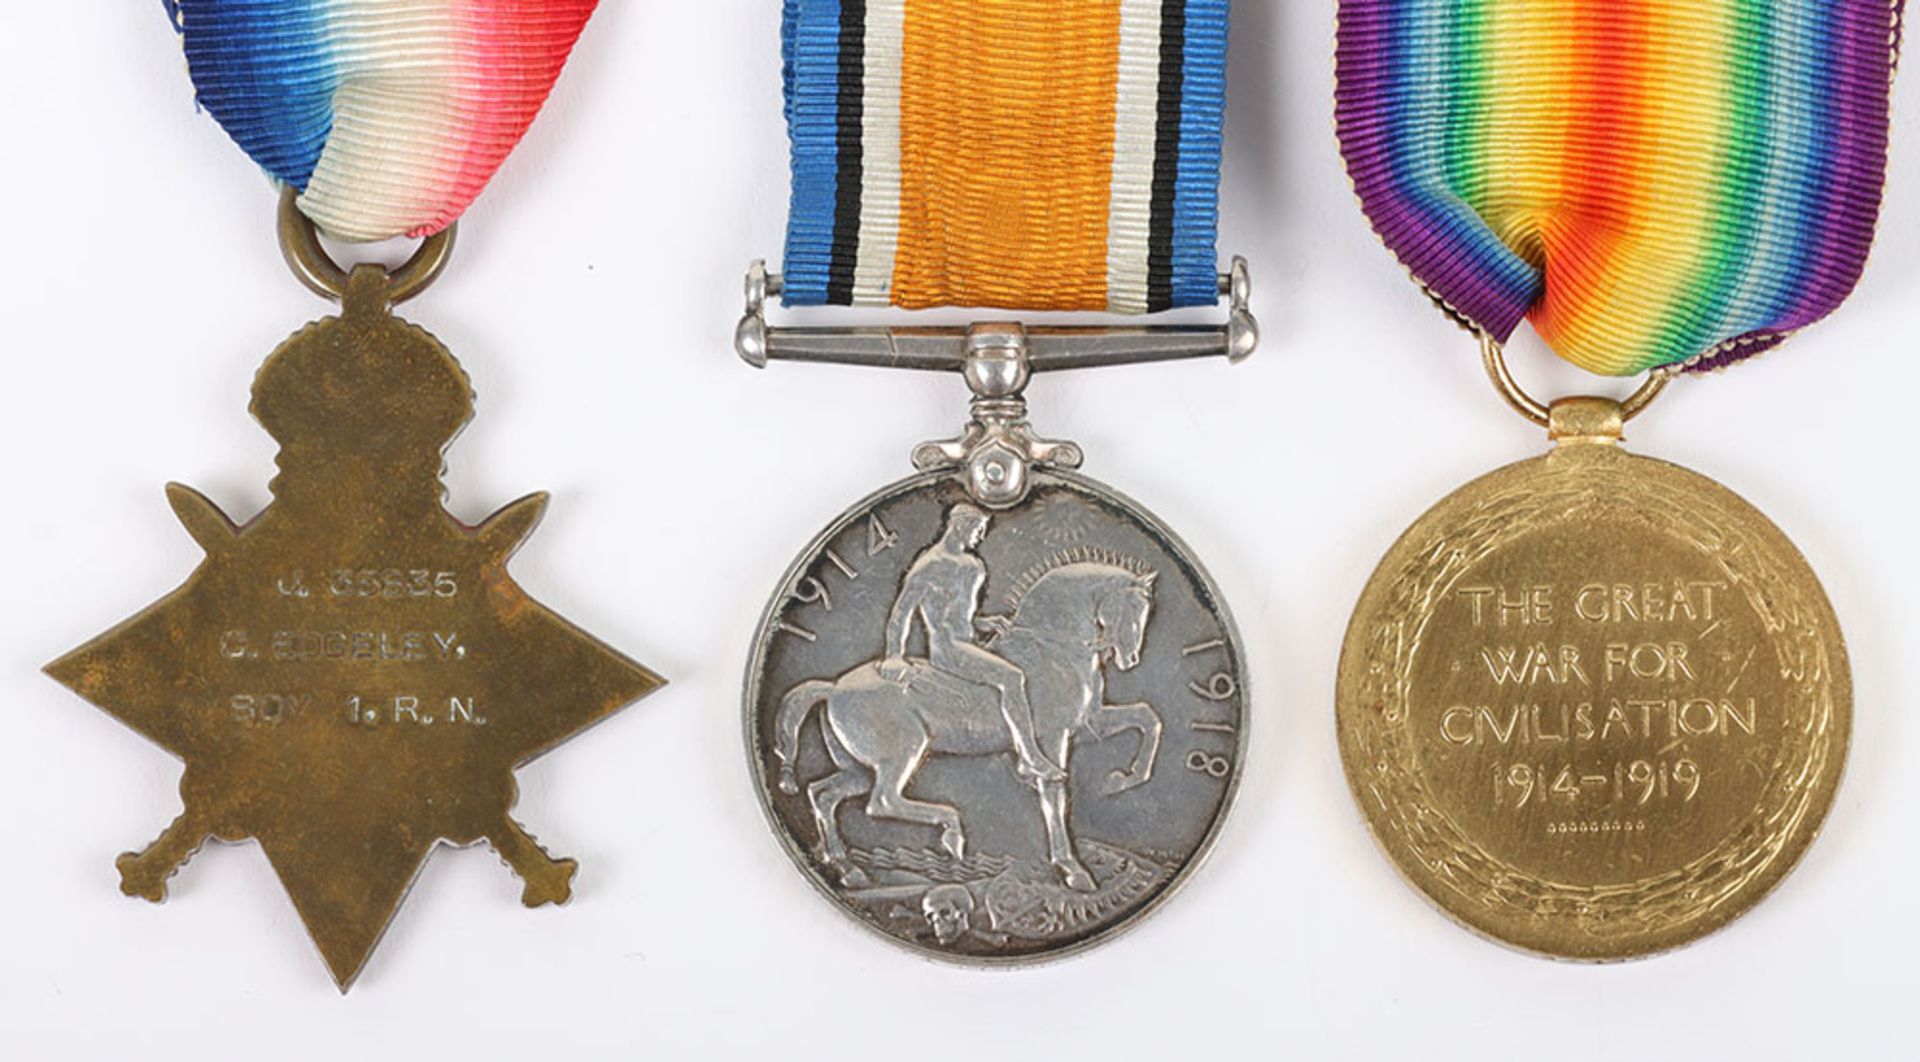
(1026, 154)
(1652, 182)
(389, 116)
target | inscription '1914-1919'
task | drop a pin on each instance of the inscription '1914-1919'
(1597, 693)
(1592, 704)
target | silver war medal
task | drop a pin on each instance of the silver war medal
(996, 710)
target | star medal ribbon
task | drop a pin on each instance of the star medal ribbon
(1594, 705)
(351, 676)
(995, 711)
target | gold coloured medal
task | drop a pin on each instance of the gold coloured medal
(1593, 705)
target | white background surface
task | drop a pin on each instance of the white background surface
(592, 299)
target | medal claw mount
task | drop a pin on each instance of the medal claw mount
(998, 448)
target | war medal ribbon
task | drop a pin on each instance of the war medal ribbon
(1592, 704)
(351, 676)
(1116, 201)
(995, 711)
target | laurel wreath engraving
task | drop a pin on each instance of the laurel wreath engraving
(1754, 558)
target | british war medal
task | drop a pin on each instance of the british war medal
(996, 710)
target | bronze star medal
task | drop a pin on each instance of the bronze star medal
(352, 676)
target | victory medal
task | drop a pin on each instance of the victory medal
(351, 675)
(996, 710)
(1594, 705)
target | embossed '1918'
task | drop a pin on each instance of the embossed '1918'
(996, 736)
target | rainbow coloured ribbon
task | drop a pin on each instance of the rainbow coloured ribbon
(1653, 182)
(389, 116)
(1026, 154)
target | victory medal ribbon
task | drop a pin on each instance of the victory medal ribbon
(1653, 182)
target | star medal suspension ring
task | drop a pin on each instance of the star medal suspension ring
(996, 711)
(1594, 705)
(351, 676)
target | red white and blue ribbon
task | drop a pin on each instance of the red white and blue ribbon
(389, 116)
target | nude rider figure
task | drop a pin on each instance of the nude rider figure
(942, 590)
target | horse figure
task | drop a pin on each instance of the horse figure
(1069, 617)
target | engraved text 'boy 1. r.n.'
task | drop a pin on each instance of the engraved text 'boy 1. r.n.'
(996, 711)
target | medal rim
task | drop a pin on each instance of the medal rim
(796, 851)
(1821, 796)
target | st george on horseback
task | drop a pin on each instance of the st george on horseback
(1029, 689)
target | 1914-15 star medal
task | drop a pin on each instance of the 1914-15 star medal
(352, 676)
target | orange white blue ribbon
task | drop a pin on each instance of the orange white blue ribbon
(1027, 154)
(389, 116)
